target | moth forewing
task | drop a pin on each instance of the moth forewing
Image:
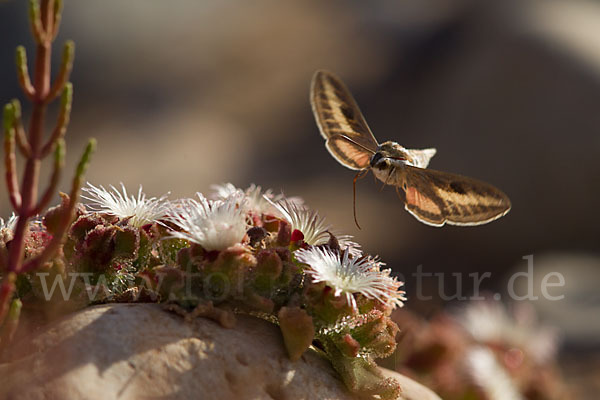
(336, 111)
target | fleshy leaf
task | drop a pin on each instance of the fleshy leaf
(297, 329)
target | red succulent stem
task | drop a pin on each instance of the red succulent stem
(32, 166)
(30, 180)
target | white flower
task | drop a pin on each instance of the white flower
(140, 210)
(490, 376)
(490, 322)
(313, 226)
(11, 223)
(214, 225)
(9, 226)
(352, 275)
(223, 191)
(259, 201)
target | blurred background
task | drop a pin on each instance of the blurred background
(185, 94)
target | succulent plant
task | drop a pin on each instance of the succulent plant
(246, 252)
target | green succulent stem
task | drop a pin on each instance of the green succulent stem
(23, 72)
(83, 165)
(10, 160)
(64, 116)
(64, 72)
(22, 141)
(59, 163)
(68, 214)
(35, 20)
(58, 6)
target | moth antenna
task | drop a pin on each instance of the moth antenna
(359, 175)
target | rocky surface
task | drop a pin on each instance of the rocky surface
(139, 351)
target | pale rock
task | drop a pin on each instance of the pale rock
(140, 351)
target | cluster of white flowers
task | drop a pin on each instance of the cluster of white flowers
(258, 201)
(223, 221)
(293, 210)
(140, 210)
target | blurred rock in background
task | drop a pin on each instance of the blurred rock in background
(185, 94)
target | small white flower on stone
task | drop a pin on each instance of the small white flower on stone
(489, 375)
(346, 275)
(213, 224)
(490, 322)
(140, 210)
(313, 226)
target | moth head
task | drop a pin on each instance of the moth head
(379, 161)
(388, 153)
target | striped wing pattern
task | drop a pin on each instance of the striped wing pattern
(337, 113)
(348, 152)
(436, 198)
